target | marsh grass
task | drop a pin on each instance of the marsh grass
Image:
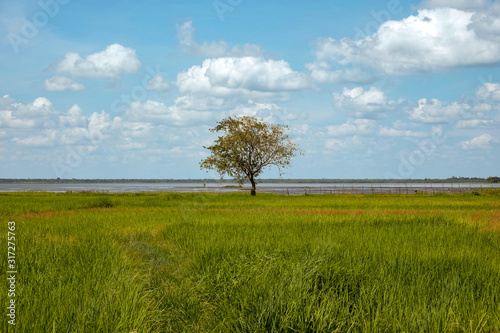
(233, 263)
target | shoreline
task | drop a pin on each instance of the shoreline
(286, 189)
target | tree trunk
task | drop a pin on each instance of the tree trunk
(252, 191)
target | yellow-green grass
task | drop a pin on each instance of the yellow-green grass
(169, 262)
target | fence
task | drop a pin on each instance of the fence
(368, 189)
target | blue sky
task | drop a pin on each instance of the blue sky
(369, 89)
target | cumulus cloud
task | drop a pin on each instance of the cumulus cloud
(62, 83)
(242, 73)
(342, 144)
(475, 123)
(201, 103)
(385, 131)
(434, 39)
(136, 129)
(335, 144)
(157, 83)
(214, 49)
(490, 91)
(353, 127)
(483, 141)
(322, 71)
(73, 135)
(73, 117)
(434, 111)
(109, 63)
(253, 109)
(246, 77)
(13, 114)
(41, 124)
(361, 103)
(482, 108)
(157, 112)
(486, 23)
(269, 112)
(46, 139)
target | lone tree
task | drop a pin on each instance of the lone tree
(247, 147)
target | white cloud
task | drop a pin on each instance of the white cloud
(486, 23)
(483, 141)
(322, 71)
(385, 131)
(110, 63)
(433, 111)
(98, 124)
(475, 123)
(214, 49)
(360, 103)
(157, 83)
(482, 108)
(201, 103)
(490, 91)
(13, 114)
(269, 112)
(335, 144)
(338, 144)
(7, 120)
(457, 4)
(61, 83)
(136, 129)
(74, 135)
(253, 109)
(353, 127)
(132, 145)
(157, 112)
(6, 100)
(224, 83)
(72, 139)
(46, 139)
(434, 39)
(227, 76)
(73, 117)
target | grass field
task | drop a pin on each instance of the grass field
(168, 262)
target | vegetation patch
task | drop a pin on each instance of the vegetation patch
(208, 262)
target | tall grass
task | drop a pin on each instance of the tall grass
(232, 263)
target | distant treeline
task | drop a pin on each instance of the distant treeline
(493, 179)
(272, 181)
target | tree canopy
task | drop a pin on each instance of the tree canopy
(247, 147)
(493, 179)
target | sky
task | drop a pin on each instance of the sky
(386, 89)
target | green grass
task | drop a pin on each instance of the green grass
(170, 262)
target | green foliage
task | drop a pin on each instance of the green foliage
(207, 262)
(103, 202)
(247, 148)
(493, 179)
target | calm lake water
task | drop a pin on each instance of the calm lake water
(290, 188)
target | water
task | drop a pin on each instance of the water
(287, 188)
